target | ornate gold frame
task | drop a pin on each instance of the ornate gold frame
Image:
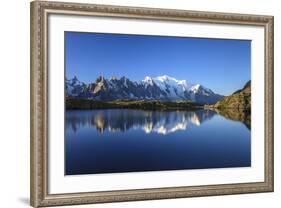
(39, 103)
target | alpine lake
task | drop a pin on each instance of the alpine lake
(115, 140)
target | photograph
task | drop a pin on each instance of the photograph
(132, 103)
(136, 103)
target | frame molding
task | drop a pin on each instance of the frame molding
(39, 103)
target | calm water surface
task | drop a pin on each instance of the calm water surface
(122, 140)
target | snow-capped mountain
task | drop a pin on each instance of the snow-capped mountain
(177, 89)
(158, 88)
(74, 87)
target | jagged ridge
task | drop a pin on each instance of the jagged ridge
(158, 88)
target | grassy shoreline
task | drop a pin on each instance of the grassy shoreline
(86, 104)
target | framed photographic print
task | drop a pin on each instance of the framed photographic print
(140, 103)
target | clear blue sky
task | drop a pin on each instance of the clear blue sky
(221, 65)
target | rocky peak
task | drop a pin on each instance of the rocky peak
(113, 78)
(148, 80)
(123, 79)
(75, 78)
(100, 79)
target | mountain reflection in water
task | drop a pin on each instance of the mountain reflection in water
(100, 141)
(161, 122)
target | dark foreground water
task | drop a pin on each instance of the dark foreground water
(122, 140)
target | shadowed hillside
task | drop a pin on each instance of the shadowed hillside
(236, 106)
(239, 100)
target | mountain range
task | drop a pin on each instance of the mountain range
(164, 88)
